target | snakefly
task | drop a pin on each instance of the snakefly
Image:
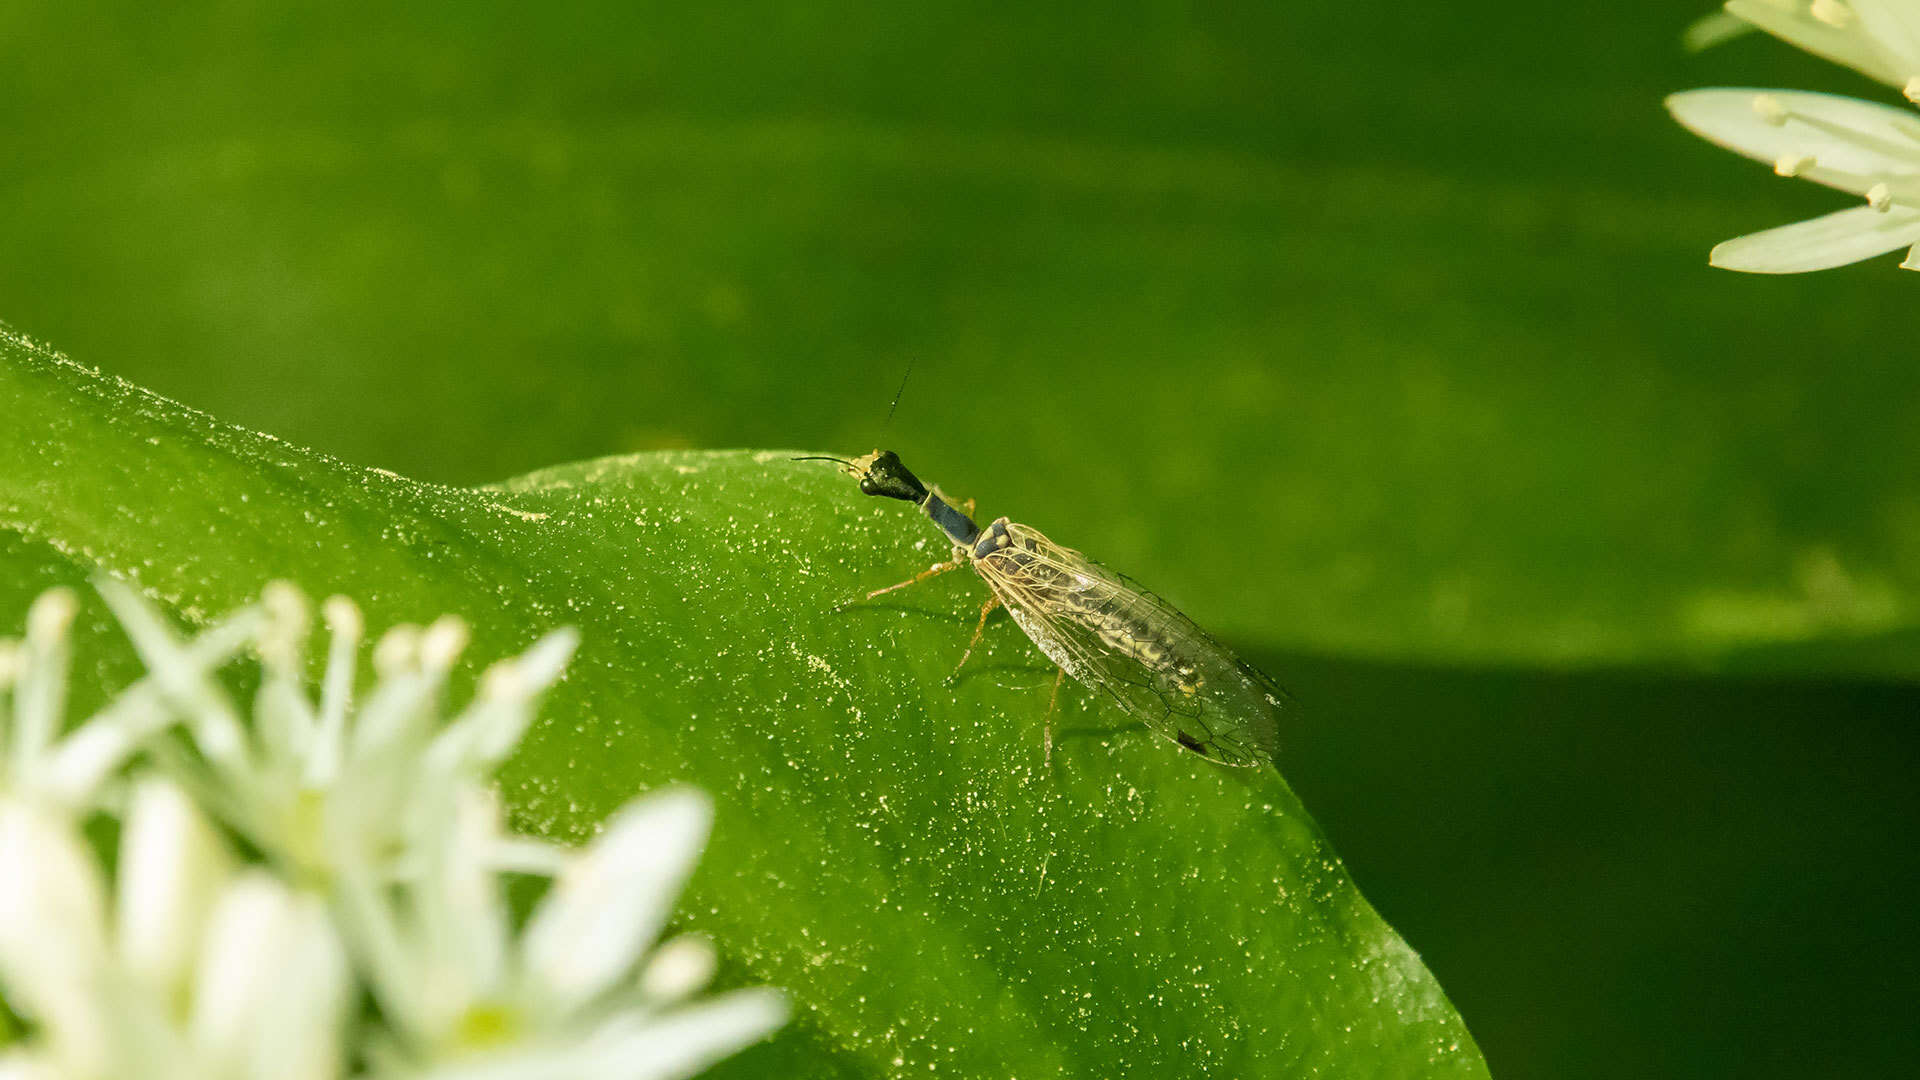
(1098, 627)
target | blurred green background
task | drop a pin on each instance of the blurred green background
(1380, 337)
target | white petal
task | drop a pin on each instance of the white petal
(271, 993)
(396, 715)
(298, 1033)
(53, 948)
(454, 752)
(1888, 141)
(388, 957)
(172, 865)
(258, 969)
(463, 916)
(684, 1042)
(20, 1066)
(1714, 28)
(609, 904)
(1894, 25)
(1792, 25)
(1820, 243)
(283, 719)
(52, 902)
(525, 855)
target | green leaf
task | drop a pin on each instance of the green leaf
(890, 849)
(1430, 290)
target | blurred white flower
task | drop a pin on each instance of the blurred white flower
(196, 973)
(1868, 150)
(41, 761)
(1874, 37)
(1878, 38)
(316, 784)
(378, 820)
(573, 994)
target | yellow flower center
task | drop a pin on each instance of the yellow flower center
(487, 1024)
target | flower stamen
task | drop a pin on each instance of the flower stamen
(1791, 165)
(1771, 109)
(1832, 12)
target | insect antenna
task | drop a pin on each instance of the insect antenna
(823, 457)
(897, 393)
(852, 468)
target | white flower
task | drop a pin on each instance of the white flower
(569, 996)
(199, 972)
(1878, 38)
(380, 816)
(1868, 150)
(316, 784)
(67, 770)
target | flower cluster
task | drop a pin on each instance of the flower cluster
(375, 875)
(1866, 149)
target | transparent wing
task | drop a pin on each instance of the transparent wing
(1119, 639)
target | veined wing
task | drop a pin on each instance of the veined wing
(1136, 648)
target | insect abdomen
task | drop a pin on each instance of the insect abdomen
(1078, 598)
(1129, 637)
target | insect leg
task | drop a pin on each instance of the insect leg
(935, 569)
(1046, 726)
(986, 609)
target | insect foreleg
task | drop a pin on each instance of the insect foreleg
(933, 571)
(993, 601)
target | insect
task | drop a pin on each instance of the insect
(1098, 626)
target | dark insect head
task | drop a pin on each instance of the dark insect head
(881, 473)
(885, 475)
